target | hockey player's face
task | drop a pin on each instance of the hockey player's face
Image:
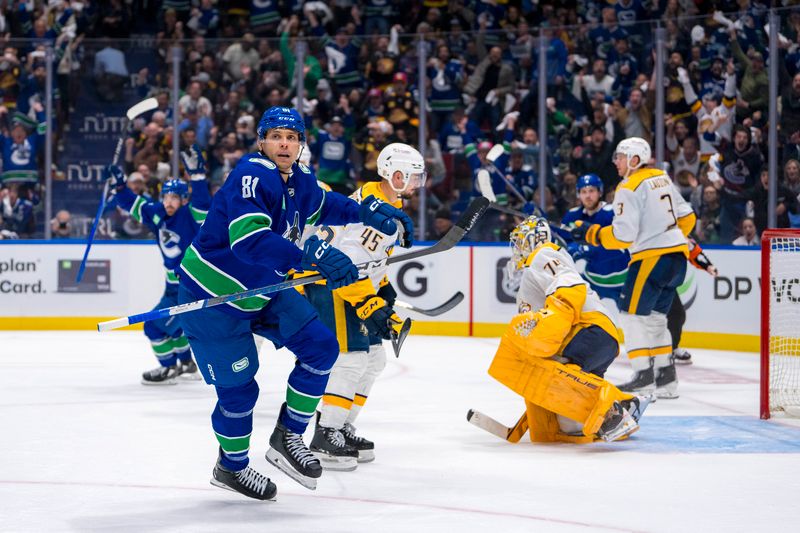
(621, 162)
(590, 197)
(172, 202)
(282, 146)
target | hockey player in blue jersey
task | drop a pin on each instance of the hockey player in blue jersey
(605, 270)
(249, 240)
(175, 222)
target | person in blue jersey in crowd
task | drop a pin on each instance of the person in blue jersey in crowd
(250, 240)
(605, 270)
(175, 222)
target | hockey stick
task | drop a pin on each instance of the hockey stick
(487, 423)
(398, 338)
(562, 232)
(134, 111)
(473, 212)
(436, 311)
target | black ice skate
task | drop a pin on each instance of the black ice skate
(682, 356)
(642, 382)
(666, 382)
(288, 453)
(333, 452)
(618, 423)
(163, 375)
(188, 371)
(365, 448)
(248, 482)
(637, 405)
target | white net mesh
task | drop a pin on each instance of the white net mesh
(784, 324)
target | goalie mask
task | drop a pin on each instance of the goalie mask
(399, 157)
(526, 237)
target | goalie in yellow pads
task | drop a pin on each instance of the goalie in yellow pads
(556, 350)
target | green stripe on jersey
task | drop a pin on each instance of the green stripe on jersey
(198, 215)
(312, 220)
(218, 283)
(233, 444)
(615, 279)
(172, 277)
(247, 225)
(136, 208)
(300, 402)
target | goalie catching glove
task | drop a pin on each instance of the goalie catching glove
(332, 264)
(378, 316)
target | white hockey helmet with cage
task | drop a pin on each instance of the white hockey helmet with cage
(634, 147)
(399, 157)
(526, 237)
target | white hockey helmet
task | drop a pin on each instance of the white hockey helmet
(634, 147)
(399, 157)
(526, 237)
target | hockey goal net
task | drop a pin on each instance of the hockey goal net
(780, 323)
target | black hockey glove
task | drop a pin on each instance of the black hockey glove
(379, 317)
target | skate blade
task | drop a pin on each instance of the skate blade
(683, 361)
(278, 461)
(164, 383)
(663, 394)
(625, 431)
(338, 464)
(226, 487)
(194, 376)
(366, 456)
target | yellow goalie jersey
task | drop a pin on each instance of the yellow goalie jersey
(563, 302)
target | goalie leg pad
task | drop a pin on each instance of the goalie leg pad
(343, 382)
(558, 388)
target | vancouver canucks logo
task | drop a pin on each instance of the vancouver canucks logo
(293, 232)
(169, 242)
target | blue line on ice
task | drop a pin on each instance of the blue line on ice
(711, 434)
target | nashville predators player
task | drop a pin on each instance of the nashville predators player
(361, 314)
(652, 221)
(558, 347)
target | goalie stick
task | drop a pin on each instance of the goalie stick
(473, 212)
(487, 423)
(436, 311)
(134, 111)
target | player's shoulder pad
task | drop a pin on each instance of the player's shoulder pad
(607, 207)
(303, 168)
(576, 209)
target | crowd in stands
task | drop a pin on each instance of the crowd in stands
(361, 85)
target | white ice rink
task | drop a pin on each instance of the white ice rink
(85, 447)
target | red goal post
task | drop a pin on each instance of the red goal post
(780, 322)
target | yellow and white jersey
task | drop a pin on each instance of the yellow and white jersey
(651, 218)
(550, 272)
(364, 243)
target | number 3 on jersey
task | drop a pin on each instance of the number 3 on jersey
(249, 185)
(670, 210)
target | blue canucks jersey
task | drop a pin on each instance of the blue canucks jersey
(497, 176)
(605, 269)
(250, 237)
(173, 233)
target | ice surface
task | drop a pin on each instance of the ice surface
(85, 447)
